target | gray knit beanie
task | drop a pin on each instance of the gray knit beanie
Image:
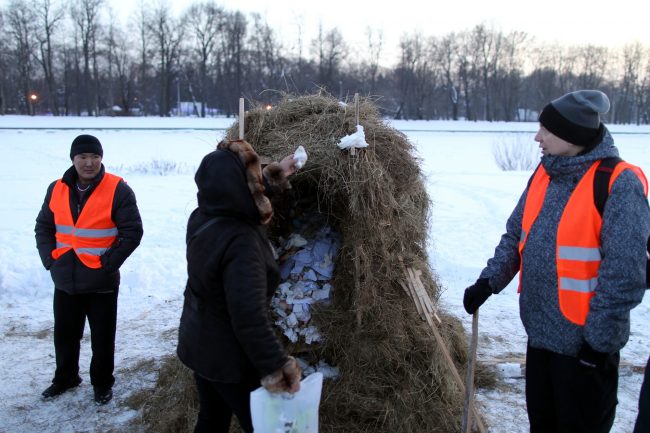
(575, 117)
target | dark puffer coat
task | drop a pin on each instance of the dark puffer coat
(225, 331)
(68, 273)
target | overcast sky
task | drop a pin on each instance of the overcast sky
(610, 23)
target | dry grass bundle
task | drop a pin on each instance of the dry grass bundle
(393, 375)
(172, 406)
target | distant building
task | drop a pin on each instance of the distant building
(192, 109)
(527, 115)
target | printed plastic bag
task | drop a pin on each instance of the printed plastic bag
(288, 413)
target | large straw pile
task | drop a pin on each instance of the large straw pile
(393, 375)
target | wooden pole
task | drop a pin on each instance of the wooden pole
(356, 107)
(469, 378)
(241, 118)
(356, 114)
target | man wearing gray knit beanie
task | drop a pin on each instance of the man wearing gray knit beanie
(578, 238)
(575, 118)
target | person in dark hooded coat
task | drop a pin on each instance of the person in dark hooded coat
(225, 334)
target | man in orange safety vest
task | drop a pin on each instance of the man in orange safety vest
(580, 271)
(87, 227)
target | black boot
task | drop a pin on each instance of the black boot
(57, 389)
(103, 395)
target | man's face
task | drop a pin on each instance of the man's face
(554, 145)
(87, 165)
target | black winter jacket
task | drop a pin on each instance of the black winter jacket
(68, 272)
(225, 331)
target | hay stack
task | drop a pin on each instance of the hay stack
(393, 375)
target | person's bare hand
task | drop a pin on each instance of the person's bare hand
(285, 379)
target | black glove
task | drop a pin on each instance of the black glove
(590, 358)
(476, 295)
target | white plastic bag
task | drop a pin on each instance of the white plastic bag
(288, 413)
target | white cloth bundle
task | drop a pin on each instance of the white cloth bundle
(356, 140)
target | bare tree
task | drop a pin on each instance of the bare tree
(141, 23)
(206, 22)
(4, 69)
(416, 76)
(508, 76)
(566, 64)
(643, 93)
(126, 71)
(22, 30)
(49, 15)
(331, 50)
(467, 75)
(265, 56)
(487, 44)
(625, 103)
(233, 47)
(446, 56)
(477, 74)
(593, 63)
(541, 84)
(85, 14)
(168, 35)
(375, 46)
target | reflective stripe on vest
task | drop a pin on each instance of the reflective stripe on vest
(94, 232)
(578, 249)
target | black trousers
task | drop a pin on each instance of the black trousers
(219, 401)
(564, 396)
(70, 313)
(643, 419)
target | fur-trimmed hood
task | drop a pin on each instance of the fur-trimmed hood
(230, 183)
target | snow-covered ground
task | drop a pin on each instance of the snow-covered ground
(472, 199)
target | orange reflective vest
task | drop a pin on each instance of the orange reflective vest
(95, 231)
(577, 254)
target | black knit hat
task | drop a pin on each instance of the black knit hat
(575, 117)
(86, 144)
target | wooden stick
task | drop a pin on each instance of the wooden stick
(241, 118)
(357, 281)
(436, 333)
(469, 378)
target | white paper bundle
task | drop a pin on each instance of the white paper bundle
(300, 156)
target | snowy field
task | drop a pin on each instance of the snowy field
(472, 199)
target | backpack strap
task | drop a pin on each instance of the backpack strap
(601, 192)
(601, 181)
